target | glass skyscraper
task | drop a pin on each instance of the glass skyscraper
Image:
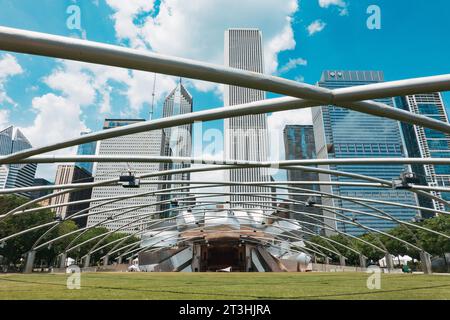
(424, 143)
(343, 133)
(38, 182)
(86, 150)
(299, 144)
(15, 175)
(177, 141)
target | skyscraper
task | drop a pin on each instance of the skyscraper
(37, 183)
(299, 144)
(15, 175)
(343, 133)
(424, 143)
(68, 174)
(86, 150)
(140, 144)
(176, 141)
(246, 137)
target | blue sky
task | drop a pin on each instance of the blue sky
(53, 100)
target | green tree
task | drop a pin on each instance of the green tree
(435, 244)
(14, 249)
(352, 257)
(96, 234)
(430, 242)
(49, 254)
(370, 252)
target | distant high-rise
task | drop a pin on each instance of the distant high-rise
(37, 183)
(425, 143)
(176, 141)
(15, 175)
(343, 133)
(246, 137)
(86, 149)
(139, 144)
(299, 144)
(68, 174)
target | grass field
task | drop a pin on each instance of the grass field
(224, 286)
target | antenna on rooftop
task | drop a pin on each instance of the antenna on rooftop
(153, 97)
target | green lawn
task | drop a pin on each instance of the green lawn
(224, 286)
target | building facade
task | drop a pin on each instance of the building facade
(86, 149)
(38, 182)
(15, 175)
(299, 144)
(246, 137)
(68, 174)
(140, 144)
(343, 133)
(425, 143)
(176, 142)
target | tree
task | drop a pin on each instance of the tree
(14, 249)
(49, 255)
(430, 242)
(98, 233)
(396, 247)
(352, 257)
(370, 252)
(433, 243)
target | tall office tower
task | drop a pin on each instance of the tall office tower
(299, 144)
(343, 133)
(273, 196)
(176, 142)
(140, 144)
(424, 143)
(39, 182)
(68, 174)
(38, 194)
(86, 149)
(15, 175)
(246, 137)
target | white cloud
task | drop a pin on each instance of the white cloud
(124, 16)
(327, 3)
(341, 4)
(52, 123)
(105, 104)
(195, 29)
(292, 64)
(9, 67)
(84, 83)
(316, 26)
(58, 119)
(4, 119)
(140, 88)
(95, 83)
(73, 84)
(299, 78)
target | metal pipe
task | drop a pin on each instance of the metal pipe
(192, 160)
